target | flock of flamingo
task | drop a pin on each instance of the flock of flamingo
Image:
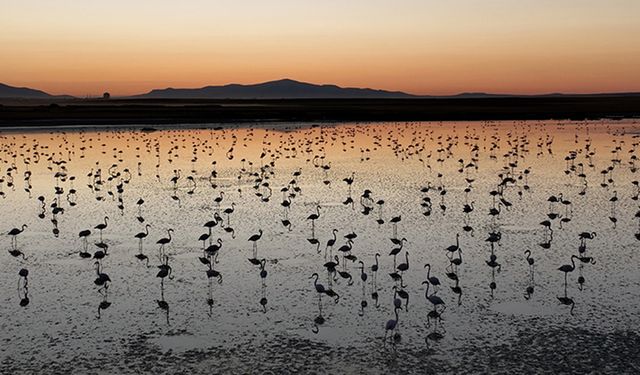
(452, 166)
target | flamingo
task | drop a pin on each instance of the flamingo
(313, 218)
(141, 236)
(14, 233)
(566, 268)
(255, 239)
(395, 220)
(165, 240)
(391, 324)
(404, 266)
(374, 267)
(102, 278)
(431, 279)
(102, 226)
(453, 248)
(530, 260)
(331, 241)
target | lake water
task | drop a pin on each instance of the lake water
(501, 315)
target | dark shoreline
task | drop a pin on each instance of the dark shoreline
(49, 113)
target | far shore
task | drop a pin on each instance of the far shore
(146, 112)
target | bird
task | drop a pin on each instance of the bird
(431, 279)
(495, 211)
(374, 267)
(142, 235)
(320, 289)
(100, 254)
(229, 211)
(346, 248)
(315, 241)
(102, 226)
(286, 203)
(331, 241)
(564, 300)
(349, 180)
(211, 273)
(213, 249)
(204, 237)
(351, 236)
(395, 220)
(434, 299)
(566, 268)
(530, 260)
(210, 224)
(84, 234)
(165, 240)
(402, 294)
(363, 275)
(263, 270)
(391, 324)
(395, 251)
(23, 273)
(547, 224)
(165, 270)
(204, 260)
(142, 258)
(331, 265)
(332, 294)
(316, 215)
(402, 267)
(346, 275)
(254, 238)
(14, 233)
(287, 224)
(102, 278)
(219, 199)
(453, 248)
(587, 236)
(313, 218)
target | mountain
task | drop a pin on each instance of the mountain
(281, 89)
(7, 91)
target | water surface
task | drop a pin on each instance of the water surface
(505, 318)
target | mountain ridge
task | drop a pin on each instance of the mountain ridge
(7, 91)
(279, 89)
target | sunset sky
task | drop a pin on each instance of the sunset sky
(419, 46)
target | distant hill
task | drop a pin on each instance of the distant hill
(7, 91)
(281, 89)
(288, 89)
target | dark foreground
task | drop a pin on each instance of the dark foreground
(173, 111)
(533, 352)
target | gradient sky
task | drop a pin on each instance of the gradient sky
(419, 46)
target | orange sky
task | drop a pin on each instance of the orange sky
(418, 46)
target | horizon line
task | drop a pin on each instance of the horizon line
(414, 95)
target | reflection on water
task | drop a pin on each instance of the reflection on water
(369, 247)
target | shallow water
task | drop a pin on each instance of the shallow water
(190, 323)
